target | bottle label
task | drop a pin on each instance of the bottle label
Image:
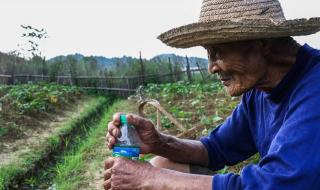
(127, 152)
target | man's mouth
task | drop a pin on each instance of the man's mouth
(225, 79)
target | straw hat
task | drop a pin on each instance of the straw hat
(224, 21)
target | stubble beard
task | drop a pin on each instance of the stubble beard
(235, 90)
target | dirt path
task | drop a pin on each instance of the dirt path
(95, 169)
(34, 138)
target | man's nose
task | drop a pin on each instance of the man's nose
(213, 67)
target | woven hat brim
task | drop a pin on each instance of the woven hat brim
(224, 31)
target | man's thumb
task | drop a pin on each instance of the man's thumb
(138, 122)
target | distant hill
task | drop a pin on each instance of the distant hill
(105, 62)
(102, 61)
(182, 60)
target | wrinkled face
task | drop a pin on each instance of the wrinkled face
(239, 65)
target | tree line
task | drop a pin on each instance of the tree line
(28, 60)
(11, 64)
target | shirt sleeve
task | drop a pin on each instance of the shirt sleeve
(223, 145)
(293, 159)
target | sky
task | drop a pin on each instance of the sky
(114, 28)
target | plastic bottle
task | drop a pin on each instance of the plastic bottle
(127, 144)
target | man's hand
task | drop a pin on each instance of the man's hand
(124, 174)
(149, 136)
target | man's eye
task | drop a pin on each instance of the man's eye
(217, 55)
(214, 55)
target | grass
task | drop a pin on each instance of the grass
(29, 161)
(81, 165)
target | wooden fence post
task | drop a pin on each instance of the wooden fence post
(142, 70)
(200, 72)
(171, 71)
(188, 70)
(70, 80)
(128, 84)
(176, 72)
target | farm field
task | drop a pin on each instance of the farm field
(234, 75)
(193, 104)
(25, 107)
(73, 125)
(38, 122)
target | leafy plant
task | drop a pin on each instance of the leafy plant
(193, 104)
(3, 131)
(35, 98)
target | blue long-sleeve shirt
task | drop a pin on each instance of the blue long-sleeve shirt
(283, 126)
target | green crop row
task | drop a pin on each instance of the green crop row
(55, 142)
(35, 98)
(80, 165)
(182, 89)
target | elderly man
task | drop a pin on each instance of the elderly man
(250, 49)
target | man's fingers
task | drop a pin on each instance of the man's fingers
(113, 130)
(107, 174)
(110, 141)
(108, 163)
(107, 184)
(116, 118)
(113, 126)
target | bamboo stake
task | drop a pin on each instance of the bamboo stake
(156, 104)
